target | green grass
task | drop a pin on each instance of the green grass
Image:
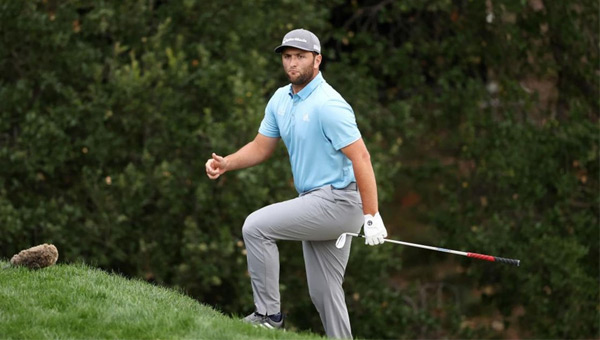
(80, 302)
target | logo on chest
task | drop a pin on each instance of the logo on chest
(306, 118)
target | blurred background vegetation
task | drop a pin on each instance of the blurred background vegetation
(481, 117)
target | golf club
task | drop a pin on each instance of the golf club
(342, 240)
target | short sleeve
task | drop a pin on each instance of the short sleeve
(268, 126)
(338, 123)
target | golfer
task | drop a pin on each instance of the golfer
(334, 178)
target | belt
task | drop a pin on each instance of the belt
(350, 187)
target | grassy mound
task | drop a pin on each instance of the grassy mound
(77, 301)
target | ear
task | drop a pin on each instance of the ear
(318, 59)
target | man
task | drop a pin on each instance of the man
(334, 178)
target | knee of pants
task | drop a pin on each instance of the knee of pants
(251, 227)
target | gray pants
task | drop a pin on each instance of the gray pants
(316, 218)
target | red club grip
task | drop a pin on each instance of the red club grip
(482, 257)
(494, 259)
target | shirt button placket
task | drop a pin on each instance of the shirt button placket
(295, 100)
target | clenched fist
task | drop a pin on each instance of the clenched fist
(216, 166)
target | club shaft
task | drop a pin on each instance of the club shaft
(484, 257)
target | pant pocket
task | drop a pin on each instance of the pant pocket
(347, 196)
(325, 193)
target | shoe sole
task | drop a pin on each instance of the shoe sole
(269, 326)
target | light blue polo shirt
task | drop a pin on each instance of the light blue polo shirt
(314, 124)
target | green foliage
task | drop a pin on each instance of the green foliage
(80, 302)
(487, 111)
(525, 194)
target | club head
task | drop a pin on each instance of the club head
(341, 241)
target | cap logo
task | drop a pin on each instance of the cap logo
(295, 39)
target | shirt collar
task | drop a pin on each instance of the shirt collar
(309, 88)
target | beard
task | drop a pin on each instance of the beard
(303, 77)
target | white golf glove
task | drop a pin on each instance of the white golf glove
(374, 230)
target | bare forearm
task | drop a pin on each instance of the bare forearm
(367, 184)
(249, 155)
(365, 176)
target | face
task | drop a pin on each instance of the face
(300, 66)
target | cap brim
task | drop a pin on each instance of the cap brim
(280, 48)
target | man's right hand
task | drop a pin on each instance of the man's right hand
(216, 166)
